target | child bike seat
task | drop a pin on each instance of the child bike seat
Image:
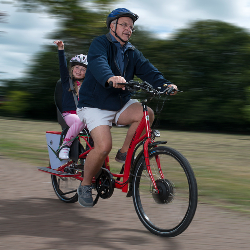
(58, 102)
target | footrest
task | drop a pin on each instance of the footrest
(58, 173)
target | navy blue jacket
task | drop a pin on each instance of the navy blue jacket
(102, 65)
(68, 102)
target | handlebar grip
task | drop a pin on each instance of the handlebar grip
(170, 90)
(110, 84)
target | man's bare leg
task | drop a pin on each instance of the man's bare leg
(133, 115)
(102, 145)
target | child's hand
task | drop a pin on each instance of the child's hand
(59, 44)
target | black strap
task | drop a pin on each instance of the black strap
(73, 91)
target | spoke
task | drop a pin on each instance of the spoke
(169, 211)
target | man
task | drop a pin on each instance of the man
(111, 58)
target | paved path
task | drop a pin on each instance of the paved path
(32, 217)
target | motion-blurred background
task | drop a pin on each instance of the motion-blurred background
(202, 47)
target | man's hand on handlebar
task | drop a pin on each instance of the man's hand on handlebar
(117, 79)
(174, 89)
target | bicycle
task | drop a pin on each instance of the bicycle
(159, 178)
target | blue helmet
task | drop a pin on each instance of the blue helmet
(120, 12)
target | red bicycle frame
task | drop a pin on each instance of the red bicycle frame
(137, 138)
(144, 125)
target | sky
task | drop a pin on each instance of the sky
(23, 34)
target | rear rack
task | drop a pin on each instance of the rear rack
(57, 173)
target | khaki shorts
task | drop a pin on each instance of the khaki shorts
(94, 117)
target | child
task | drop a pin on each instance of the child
(78, 66)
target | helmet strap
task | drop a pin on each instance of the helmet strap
(116, 33)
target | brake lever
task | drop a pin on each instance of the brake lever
(170, 90)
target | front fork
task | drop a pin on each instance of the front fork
(147, 145)
(147, 163)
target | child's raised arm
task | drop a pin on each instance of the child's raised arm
(59, 44)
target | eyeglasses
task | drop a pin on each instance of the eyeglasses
(125, 26)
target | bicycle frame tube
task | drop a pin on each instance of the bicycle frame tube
(144, 124)
(107, 165)
(84, 154)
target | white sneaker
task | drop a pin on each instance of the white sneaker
(64, 153)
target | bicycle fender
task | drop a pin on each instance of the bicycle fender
(152, 145)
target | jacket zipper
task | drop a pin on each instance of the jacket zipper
(116, 61)
(125, 66)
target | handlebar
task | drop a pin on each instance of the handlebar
(145, 86)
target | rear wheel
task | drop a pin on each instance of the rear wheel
(65, 188)
(169, 211)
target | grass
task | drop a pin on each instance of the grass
(220, 161)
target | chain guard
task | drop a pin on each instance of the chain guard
(105, 184)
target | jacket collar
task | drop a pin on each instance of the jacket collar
(108, 35)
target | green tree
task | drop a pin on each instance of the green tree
(16, 104)
(209, 62)
(78, 27)
(246, 108)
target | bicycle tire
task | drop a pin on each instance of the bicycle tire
(65, 188)
(170, 212)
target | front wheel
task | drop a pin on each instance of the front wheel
(170, 211)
